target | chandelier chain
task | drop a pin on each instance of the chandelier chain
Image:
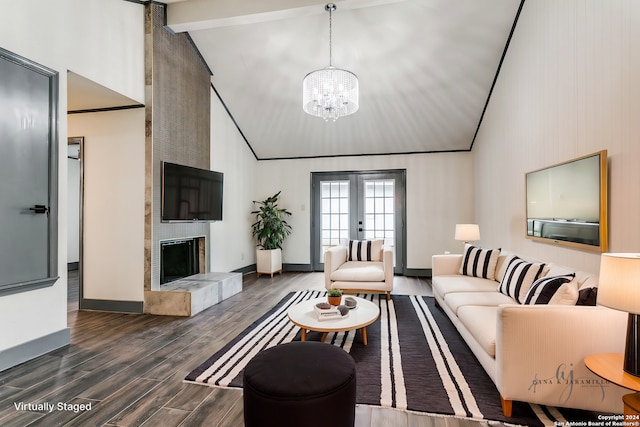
(330, 33)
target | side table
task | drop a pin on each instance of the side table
(609, 367)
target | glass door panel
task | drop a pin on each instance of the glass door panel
(379, 211)
(334, 214)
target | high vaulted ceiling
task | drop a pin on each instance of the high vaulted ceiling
(425, 67)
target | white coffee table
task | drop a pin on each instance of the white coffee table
(303, 315)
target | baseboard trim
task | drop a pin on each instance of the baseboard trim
(304, 268)
(246, 270)
(135, 307)
(30, 350)
(418, 272)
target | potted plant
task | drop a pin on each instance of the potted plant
(334, 296)
(270, 230)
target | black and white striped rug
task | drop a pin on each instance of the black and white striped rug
(415, 360)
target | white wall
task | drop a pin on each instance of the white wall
(569, 86)
(114, 186)
(439, 195)
(231, 243)
(104, 41)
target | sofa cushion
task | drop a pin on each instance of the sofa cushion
(364, 250)
(443, 285)
(553, 290)
(481, 322)
(359, 271)
(519, 277)
(478, 262)
(455, 300)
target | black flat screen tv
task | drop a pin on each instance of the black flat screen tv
(191, 194)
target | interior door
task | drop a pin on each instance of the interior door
(358, 206)
(28, 248)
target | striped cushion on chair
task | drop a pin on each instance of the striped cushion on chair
(364, 250)
(479, 262)
(519, 278)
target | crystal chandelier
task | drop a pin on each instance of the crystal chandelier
(330, 92)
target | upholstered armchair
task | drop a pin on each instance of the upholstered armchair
(361, 266)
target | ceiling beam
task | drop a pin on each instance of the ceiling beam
(193, 15)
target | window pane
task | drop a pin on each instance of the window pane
(344, 189)
(388, 189)
(325, 189)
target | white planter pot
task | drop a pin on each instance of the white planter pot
(268, 261)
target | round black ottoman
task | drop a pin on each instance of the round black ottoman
(300, 384)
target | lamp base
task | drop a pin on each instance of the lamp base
(632, 346)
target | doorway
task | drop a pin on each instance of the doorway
(358, 206)
(75, 148)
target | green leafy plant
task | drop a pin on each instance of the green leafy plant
(334, 292)
(270, 228)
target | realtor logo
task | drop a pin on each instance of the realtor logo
(565, 378)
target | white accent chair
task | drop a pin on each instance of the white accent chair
(359, 276)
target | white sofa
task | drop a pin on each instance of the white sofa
(533, 353)
(354, 276)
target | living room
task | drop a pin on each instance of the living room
(566, 88)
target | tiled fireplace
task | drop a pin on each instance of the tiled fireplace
(186, 288)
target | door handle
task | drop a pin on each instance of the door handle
(40, 209)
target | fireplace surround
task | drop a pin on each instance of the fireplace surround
(181, 258)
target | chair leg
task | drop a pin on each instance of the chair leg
(388, 295)
(507, 406)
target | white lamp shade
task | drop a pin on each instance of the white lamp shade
(467, 232)
(619, 284)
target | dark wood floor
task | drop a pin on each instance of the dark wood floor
(130, 368)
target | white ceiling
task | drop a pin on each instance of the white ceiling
(426, 68)
(84, 94)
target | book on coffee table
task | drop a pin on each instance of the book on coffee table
(327, 313)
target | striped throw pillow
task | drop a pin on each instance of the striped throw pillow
(553, 290)
(519, 278)
(364, 250)
(478, 262)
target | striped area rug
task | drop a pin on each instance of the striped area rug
(415, 360)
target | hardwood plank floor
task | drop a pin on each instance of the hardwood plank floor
(130, 368)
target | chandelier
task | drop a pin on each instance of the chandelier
(330, 92)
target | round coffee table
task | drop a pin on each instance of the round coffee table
(304, 316)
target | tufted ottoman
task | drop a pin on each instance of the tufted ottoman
(298, 384)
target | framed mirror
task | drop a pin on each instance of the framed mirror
(566, 204)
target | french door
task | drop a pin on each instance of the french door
(358, 206)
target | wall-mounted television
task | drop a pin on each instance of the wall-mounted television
(567, 203)
(191, 194)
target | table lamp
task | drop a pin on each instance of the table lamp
(467, 232)
(619, 288)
